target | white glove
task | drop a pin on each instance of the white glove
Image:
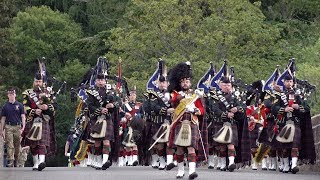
(190, 108)
(123, 120)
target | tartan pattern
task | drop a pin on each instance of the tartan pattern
(267, 132)
(307, 151)
(254, 135)
(109, 131)
(296, 140)
(243, 151)
(203, 152)
(154, 129)
(45, 138)
(174, 131)
(234, 139)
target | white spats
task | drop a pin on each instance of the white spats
(211, 162)
(281, 164)
(264, 164)
(162, 162)
(155, 163)
(169, 159)
(286, 165)
(105, 158)
(223, 163)
(99, 162)
(180, 173)
(130, 160)
(35, 162)
(120, 161)
(254, 165)
(294, 167)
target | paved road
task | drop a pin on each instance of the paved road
(144, 173)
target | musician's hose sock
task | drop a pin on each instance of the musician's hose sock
(231, 152)
(180, 158)
(285, 153)
(295, 152)
(134, 152)
(223, 153)
(272, 153)
(211, 151)
(98, 150)
(169, 151)
(34, 151)
(161, 152)
(42, 150)
(106, 149)
(192, 157)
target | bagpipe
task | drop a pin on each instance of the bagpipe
(51, 86)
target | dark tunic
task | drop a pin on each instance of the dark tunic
(98, 98)
(31, 99)
(297, 115)
(157, 105)
(239, 124)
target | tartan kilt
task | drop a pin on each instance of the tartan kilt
(45, 137)
(267, 132)
(153, 130)
(109, 131)
(86, 134)
(254, 135)
(296, 139)
(194, 131)
(211, 132)
(234, 139)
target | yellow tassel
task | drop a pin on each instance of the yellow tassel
(262, 151)
(79, 107)
(81, 153)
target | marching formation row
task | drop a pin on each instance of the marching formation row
(218, 123)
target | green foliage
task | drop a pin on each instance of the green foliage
(41, 31)
(88, 49)
(72, 72)
(38, 32)
(199, 32)
(254, 36)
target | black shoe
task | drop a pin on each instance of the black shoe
(98, 168)
(34, 169)
(223, 169)
(264, 169)
(41, 166)
(210, 167)
(135, 163)
(272, 169)
(170, 166)
(106, 165)
(295, 170)
(10, 164)
(193, 175)
(231, 167)
(218, 168)
(179, 177)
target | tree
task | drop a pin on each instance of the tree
(200, 32)
(7, 48)
(39, 31)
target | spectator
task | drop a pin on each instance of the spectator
(13, 121)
